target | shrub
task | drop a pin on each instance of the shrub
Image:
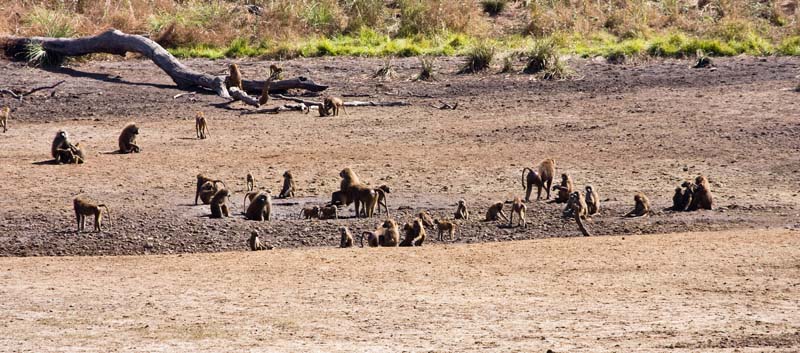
(493, 7)
(427, 70)
(479, 58)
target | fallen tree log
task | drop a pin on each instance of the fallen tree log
(119, 43)
(346, 104)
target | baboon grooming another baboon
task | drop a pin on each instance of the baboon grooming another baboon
(346, 238)
(328, 212)
(415, 234)
(386, 235)
(250, 182)
(260, 208)
(564, 190)
(461, 211)
(200, 125)
(445, 226)
(127, 139)
(592, 200)
(63, 151)
(495, 212)
(219, 205)
(60, 141)
(543, 179)
(519, 208)
(310, 212)
(701, 198)
(642, 206)
(579, 210)
(85, 207)
(288, 186)
(4, 114)
(202, 180)
(255, 243)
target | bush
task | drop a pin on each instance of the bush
(426, 72)
(493, 7)
(479, 58)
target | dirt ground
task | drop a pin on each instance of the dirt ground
(729, 291)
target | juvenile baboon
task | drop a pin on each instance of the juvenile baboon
(519, 208)
(331, 106)
(274, 73)
(360, 194)
(642, 207)
(382, 191)
(677, 200)
(495, 212)
(288, 186)
(219, 205)
(71, 154)
(4, 114)
(592, 200)
(310, 212)
(250, 182)
(85, 207)
(414, 234)
(543, 179)
(255, 243)
(346, 239)
(688, 195)
(127, 139)
(260, 208)
(200, 125)
(564, 190)
(386, 235)
(425, 218)
(201, 181)
(339, 198)
(445, 226)
(579, 210)
(701, 198)
(234, 78)
(461, 211)
(328, 212)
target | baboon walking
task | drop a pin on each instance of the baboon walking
(519, 208)
(4, 115)
(200, 125)
(85, 207)
(445, 226)
(543, 179)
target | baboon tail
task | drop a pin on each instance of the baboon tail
(523, 177)
(244, 203)
(581, 226)
(382, 196)
(221, 182)
(361, 240)
(108, 213)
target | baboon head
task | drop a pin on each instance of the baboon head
(588, 188)
(564, 178)
(287, 174)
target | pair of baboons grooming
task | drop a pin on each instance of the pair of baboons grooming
(692, 197)
(64, 151)
(260, 208)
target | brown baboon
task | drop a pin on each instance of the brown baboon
(127, 139)
(592, 200)
(288, 186)
(274, 73)
(250, 182)
(4, 114)
(425, 218)
(346, 239)
(249, 196)
(207, 192)
(70, 154)
(495, 212)
(260, 208)
(386, 235)
(219, 205)
(677, 200)
(642, 207)
(382, 191)
(310, 212)
(519, 208)
(414, 234)
(60, 142)
(543, 179)
(564, 190)
(579, 211)
(461, 211)
(339, 198)
(701, 198)
(234, 79)
(201, 180)
(255, 243)
(331, 106)
(445, 226)
(328, 212)
(200, 125)
(688, 193)
(85, 207)
(360, 194)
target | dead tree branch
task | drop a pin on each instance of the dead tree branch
(20, 95)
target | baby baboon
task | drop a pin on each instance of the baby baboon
(642, 207)
(543, 179)
(346, 240)
(288, 186)
(564, 190)
(495, 212)
(234, 78)
(200, 125)
(4, 114)
(592, 200)
(445, 226)
(331, 106)
(255, 243)
(519, 208)
(85, 207)
(328, 212)
(461, 211)
(701, 198)
(579, 210)
(274, 73)
(310, 212)
(425, 218)
(250, 182)
(415, 234)
(260, 208)
(127, 139)
(201, 181)
(219, 205)
(386, 235)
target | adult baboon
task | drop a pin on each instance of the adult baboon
(60, 142)
(386, 235)
(360, 194)
(202, 180)
(445, 226)
(4, 114)
(234, 78)
(641, 207)
(461, 211)
(701, 198)
(260, 208)
(85, 207)
(592, 200)
(414, 234)
(200, 125)
(346, 238)
(382, 191)
(255, 243)
(425, 218)
(127, 139)
(564, 190)
(519, 208)
(495, 212)
(219, 205)
(543, 179)
(288, 186)
(331, 106)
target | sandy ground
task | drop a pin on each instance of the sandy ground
(727, 291)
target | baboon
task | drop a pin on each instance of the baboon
(688, 194)
(445, 226)
(250, 182)
(70, 154)
(425, 218)
(328, 212)
(200, 125)
(564, 190)
(260, 208)
(288, 186)
(495, 212)
(4, 114)
(127, 139)
(60, 142)
(386, 235)
(382, 191)
(339, 198)
(592, 200)
(701, 198)
(358, 193)
(642, 207)
(201, 180)
(234, 79)
(346, 240)
(310, 212)
(219, 205)
(579, 211)
(331, 106)
(519, 208)
(415, 234)
(677, 200)
(461, 211)
(207, 192)
(255, 243)
(543, 179)
(250, 195)
(85, 207)
(274, 73)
